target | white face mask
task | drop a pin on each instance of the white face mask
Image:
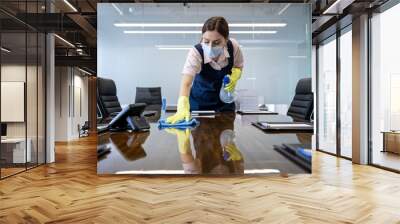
(212, 52)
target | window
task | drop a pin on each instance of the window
(327, 95)
(346, 92)
(385, 89)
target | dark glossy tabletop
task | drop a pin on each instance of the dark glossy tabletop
(225, 145)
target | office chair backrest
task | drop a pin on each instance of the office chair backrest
(149, 95)
(302, 105)
(107, 97)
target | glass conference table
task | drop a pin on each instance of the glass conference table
(225, 145)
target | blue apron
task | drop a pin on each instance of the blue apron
(204, 94)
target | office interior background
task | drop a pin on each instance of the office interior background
(48, 70)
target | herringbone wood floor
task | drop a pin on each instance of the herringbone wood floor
(69, 191)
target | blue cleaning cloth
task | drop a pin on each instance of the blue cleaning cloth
(182, 124)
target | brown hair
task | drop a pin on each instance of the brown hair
(217, 23)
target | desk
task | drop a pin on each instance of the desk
(13, 150)
(391, 141)
(157, 151)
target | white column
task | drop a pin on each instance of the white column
(314, 90)
(360, 90)
(50, 99)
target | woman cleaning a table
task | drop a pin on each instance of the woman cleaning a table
(206, 65)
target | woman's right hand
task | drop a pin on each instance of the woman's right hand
(182, 113)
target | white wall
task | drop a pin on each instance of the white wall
(69, 82)
(12, 73)
(33, 125)
(61, 103)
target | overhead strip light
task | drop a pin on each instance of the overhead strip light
(174, 48)
(160, 46)
(5, 50)
(254, 32)
(84, 71)
(162, 31)
(197, 24)
(70, 5)
(194, 32)
(297, 56)
(64, 40)
(335, 7)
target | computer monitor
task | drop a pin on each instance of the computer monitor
(3, 129)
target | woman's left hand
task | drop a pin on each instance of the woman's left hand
(233, 153)
(234, 77)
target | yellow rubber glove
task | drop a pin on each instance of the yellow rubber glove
(183, 111)
(183, 137)
(234, 153)
(234, 77)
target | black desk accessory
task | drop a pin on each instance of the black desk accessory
(130, 118)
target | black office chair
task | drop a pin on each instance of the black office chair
(302, 106)
(150, 96)
(107, 99)
(83, 130)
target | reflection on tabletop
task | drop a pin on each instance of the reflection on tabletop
(215, 152)
(129, 144)
(215, 146)
(224, 145)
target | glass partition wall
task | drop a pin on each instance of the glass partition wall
(22, 87)
(335, 93)
(385, 89)
(345, 109)
(334, 89)
(327, 95)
